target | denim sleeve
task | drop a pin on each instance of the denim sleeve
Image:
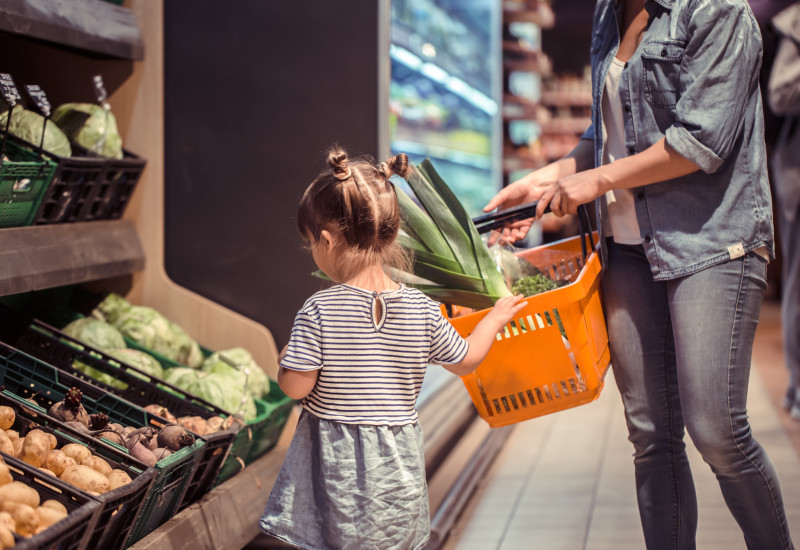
(719, 71)
(589, 133)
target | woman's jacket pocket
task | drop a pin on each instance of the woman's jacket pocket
(661, 60)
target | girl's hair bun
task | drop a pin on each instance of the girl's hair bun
(338, 162)
(398, 164)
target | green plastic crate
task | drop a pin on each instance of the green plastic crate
(267, 433)
(27, 376)
(24, 181)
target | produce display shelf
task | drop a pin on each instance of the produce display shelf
(255, 438)
(27, 376)
(72, 532)
(24, 180)
(61, 351)
(117, 509)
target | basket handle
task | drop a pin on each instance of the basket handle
(498, 220)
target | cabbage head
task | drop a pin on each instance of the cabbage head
(246, 370)
(111, 308)
(90, 126)
(140, 360)
(225, 392)
(147, 327)
(187, 350)
(181, 377)
(95, 333)
(27, 125)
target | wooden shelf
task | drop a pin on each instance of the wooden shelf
(528, 11)
(567, 99)
(48, 256)
(90, 25)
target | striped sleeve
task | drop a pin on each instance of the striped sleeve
(447, 345)
(304, 351)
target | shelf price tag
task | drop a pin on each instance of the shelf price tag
(100, 92)
(39, 98)
(9, 89)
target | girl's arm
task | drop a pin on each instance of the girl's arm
(485, 332)
(295, 383)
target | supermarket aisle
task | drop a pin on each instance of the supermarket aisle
(565, 481)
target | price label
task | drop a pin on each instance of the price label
(39, 98)
(100, 91)
(9, 89)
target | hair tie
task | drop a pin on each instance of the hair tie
(345, 176)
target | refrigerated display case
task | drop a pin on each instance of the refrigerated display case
(446, 92)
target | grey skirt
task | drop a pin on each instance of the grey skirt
(350, 487)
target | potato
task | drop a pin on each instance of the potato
(53, 441)
(26, 518)
(16, 491)
(35, 448)
(97, 464)
(54, 504)
(7, 521)
(56, 461)
(13, 435)
(118, 478)
(18, 446)
(6, 536)
(49, 516)
(194, 424)
(87, 479)
(7, 417)
(5, 473)
(76, 451)
(6, 445)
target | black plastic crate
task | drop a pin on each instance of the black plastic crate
(61, 351)
(29, 377)
(111, 194)
(71, 533)
(119, 508)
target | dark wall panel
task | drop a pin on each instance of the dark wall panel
(255, 92)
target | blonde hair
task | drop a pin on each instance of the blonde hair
(357, 203)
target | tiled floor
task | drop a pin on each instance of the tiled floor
(565, 481)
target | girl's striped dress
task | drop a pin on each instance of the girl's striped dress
(354, 474)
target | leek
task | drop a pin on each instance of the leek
(451, 262)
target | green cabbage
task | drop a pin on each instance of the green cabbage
(150, 329)
(181, 377)
(188, 351)
(90, 126)
(246, 370)
(140, 360)
(95, 333)
(111, 308)
(27, 125)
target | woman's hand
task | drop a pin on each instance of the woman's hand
(572, 191)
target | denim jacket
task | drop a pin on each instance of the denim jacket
(694, 79)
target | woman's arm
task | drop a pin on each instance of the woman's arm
(660, 162)
(534, 185)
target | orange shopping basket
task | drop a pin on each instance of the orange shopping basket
(555, 355)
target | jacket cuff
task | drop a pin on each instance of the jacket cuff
(687, 145)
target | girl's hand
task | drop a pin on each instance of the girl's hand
(504, 310)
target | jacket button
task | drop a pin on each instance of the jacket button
(640, 195)
(627, 108)
(663, 53)
(648, 238)
(631, 150)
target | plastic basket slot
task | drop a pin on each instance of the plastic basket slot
(531, 398)
(522, 399)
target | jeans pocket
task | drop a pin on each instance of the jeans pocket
(661, 61)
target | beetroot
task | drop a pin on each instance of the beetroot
(70, 409)
(174, 437)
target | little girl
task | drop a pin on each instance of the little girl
(354, 473)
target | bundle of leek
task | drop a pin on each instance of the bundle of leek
(451, 262)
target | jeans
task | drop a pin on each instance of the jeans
(681, 353)
(790, 304)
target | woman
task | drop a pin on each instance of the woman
(675, 161)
